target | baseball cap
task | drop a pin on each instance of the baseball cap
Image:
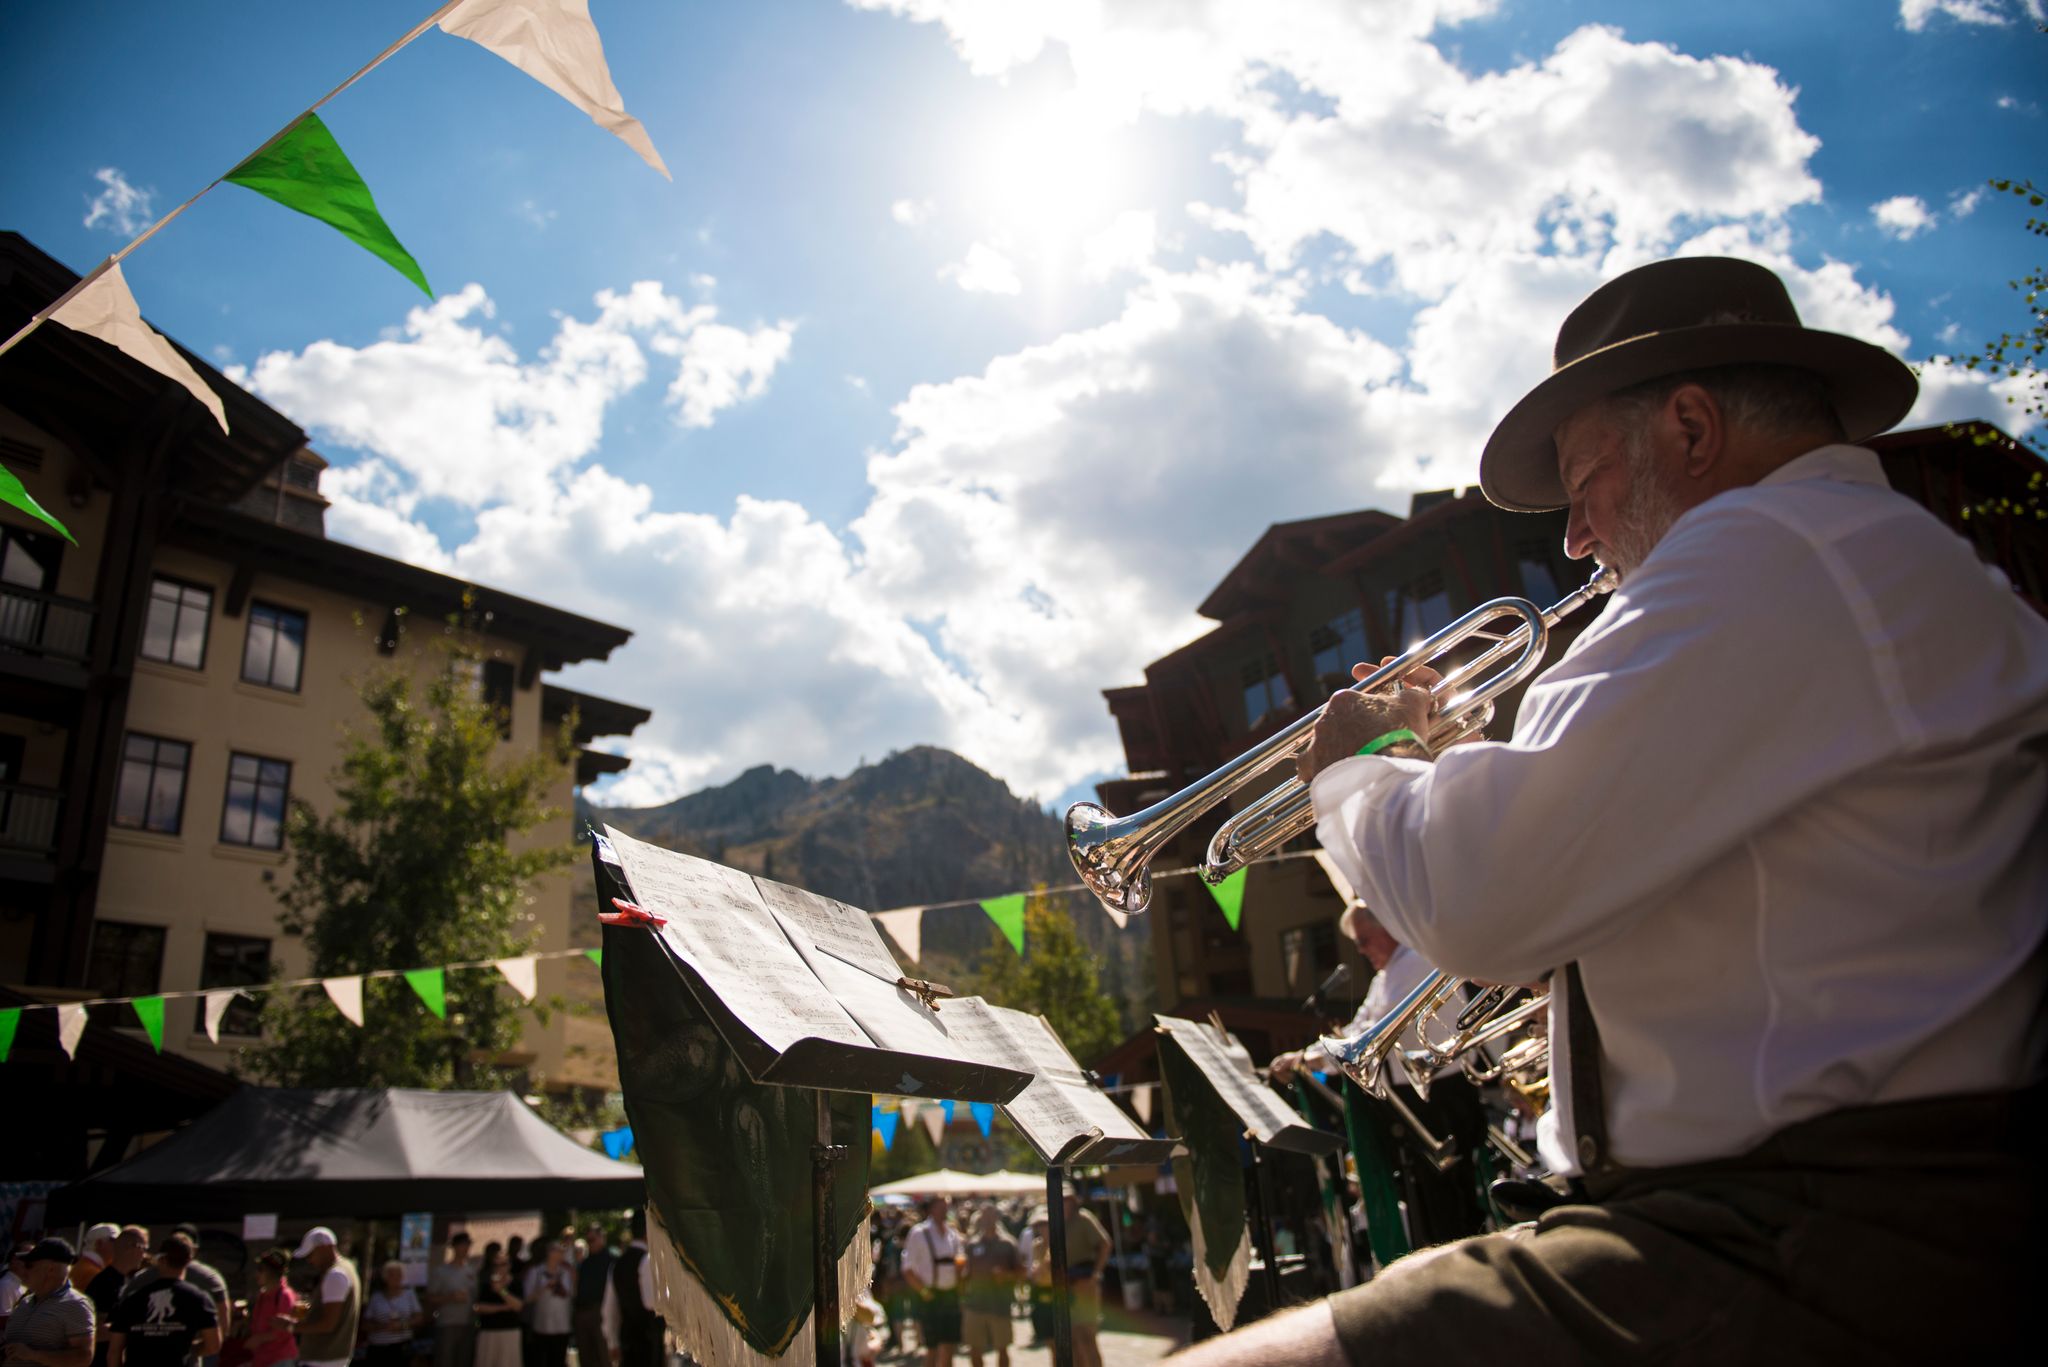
(99, 1232)
(319, 1236)
(51, 1251)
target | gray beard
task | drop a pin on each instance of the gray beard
(1644, 517)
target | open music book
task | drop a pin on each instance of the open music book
(1227, 1067)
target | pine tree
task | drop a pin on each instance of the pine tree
(1056, 977)
(419, 864)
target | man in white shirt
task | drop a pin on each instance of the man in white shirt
(1778, 817)
(931, 1265)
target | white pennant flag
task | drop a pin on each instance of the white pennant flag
(1122, 918)
(910, 1106)
(934, 1119)
(70, 1025)
(106, 310)
(347, 996)
(1141, 1102)
(523, 974)
(906, 928)
(554, 42)
(217, 1004)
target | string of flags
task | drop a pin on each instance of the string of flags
(886, 1120)
(430, 985)
(905, 925)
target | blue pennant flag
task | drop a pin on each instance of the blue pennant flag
(617, 1143)
(946, 1108)
(886, 1122)
(984, 1115)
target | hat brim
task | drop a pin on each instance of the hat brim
(1871, 388)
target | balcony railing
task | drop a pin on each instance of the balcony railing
(28, 818)
(36, 623)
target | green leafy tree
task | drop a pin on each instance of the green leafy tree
(421, 863)
(2019, 355)
(1056, 977)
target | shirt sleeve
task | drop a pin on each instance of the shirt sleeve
(204, 1313)
(608, 1315)
(76, 1313)
(1668, 732)
(917, 1256)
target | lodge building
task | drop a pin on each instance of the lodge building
(173, 680)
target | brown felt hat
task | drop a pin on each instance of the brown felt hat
(1691, 313)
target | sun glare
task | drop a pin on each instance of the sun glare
(1052, 174)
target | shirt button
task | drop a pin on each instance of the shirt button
(1589, 1152)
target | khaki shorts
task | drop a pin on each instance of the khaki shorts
(984, 1331)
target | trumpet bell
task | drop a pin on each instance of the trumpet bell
(1106, 857)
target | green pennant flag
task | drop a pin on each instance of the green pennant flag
(306, 170)
(432, 986)
(10, 1021)
(1008, 914)
(13, 494)
(595, 956)
(150, 1011)
(1229, 895)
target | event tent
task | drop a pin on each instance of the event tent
(950, 1182)
(348, 1152)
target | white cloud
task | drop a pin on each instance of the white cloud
(119, 207)
(1914, 14)
(985, 271)
(533, 214)
(1127, 244)
(1904, 217)
(1964, 203)
(453, 406)
(912, 213)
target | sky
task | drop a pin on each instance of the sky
(973, 341)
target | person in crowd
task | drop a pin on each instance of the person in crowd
(1036, 1252)
(631, 1321)
(516, 1256)
(498, 1306)
(1087, 1247)
(94, 1251)
(270, 1340)
(989, 1294)
(550, 1294)
(931, 1266)
(891, 1289)
(1773, 825)
(326, 1328)
(11, 1287)
(166, 1321)
(863, 1336)
(198, 1274)
(51, 1324)
(593, 1274)
(451, 1299)
(130, 1249)
(392, 1318)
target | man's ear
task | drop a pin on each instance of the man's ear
(1696, 429)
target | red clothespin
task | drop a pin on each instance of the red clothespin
(630, 915)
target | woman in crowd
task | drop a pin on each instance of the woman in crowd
(497, 1311)
(270, 1341)
(550, 1289)
(391, 1318)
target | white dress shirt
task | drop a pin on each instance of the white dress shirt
(609, 1310)
(1786, 803)
(929, 1245)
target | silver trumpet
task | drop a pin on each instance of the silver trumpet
(1363, 1057)
(1113, 855)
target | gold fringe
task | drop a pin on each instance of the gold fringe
(704, 1330)
(1222, 1294)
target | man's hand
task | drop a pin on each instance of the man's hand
(1284, 1065)
(1351, 720)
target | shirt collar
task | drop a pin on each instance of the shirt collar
(1842, 463)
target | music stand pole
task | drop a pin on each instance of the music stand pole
(825, 1303)
(1062, 1289)
(1262, 1202)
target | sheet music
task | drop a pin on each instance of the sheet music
(1050, 1057)
(1042, 1112)
(1229, 1069)
(717, 923)
(847, 933)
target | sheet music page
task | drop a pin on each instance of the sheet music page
(718, 925)
(1043, 1111)
(847, 933)
(1050, 1057)
(1229, 1069)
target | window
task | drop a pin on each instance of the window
(1265, 691)
(127, 960)
(175, 631)
(152, 792)
(233, 961)
(1336, 646)
(1419, 608)
(276, 649)
(1539, 578)
(254, 811)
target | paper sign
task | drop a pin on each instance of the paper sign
(258, 1228)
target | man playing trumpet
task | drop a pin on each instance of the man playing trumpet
(1776, 819)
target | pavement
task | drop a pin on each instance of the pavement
(1127, 1340)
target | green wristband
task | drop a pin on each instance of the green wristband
(1373, 747)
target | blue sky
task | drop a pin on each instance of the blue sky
(973, 342)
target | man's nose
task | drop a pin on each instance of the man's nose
(1578, 534)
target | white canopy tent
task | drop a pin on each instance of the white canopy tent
(948, 1182)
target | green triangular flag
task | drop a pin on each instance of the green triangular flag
(432, 985)
(1229, 895)
(150, 1011)
(10, 1021)
(306, 170)
(12, 493)
(595, 956)
(1008, 914)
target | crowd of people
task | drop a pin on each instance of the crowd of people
(124, 1300)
